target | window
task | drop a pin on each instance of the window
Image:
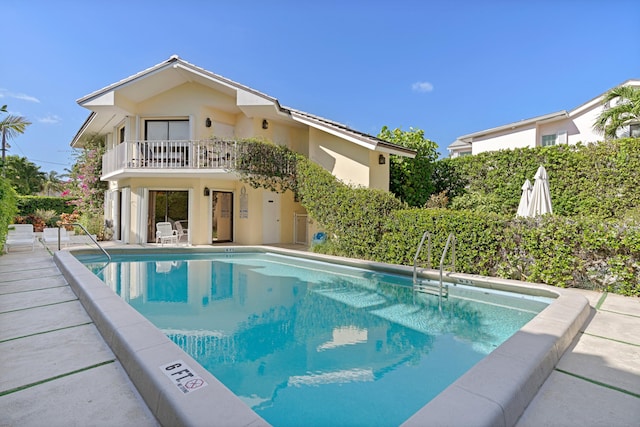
(634, 131)
(121, 135)
(167, 130)
(549, 140)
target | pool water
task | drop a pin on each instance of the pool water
(309, 343)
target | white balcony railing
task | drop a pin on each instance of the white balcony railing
(205, 154)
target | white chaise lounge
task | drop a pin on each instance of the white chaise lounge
(20, 235)
(50, 236)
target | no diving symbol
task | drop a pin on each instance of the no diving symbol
(194, 384)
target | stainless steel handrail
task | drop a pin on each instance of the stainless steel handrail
(87, 233)
(451, 239)
(415, 258)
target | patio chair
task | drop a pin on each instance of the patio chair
(166, 233)
(20, 235)
(182, 232)
(50, 235)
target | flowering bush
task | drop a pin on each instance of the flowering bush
(86, 188)
(66, 218)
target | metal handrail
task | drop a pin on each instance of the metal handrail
(415, 258)
(87, 233)
(450, 239)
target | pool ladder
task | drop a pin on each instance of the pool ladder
(425, 285)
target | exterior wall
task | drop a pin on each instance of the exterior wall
(348, 162)
(185, 101)
(518, 138)
(378, 174)
(584, 123)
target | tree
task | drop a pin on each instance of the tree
(53, 182)
(410, 179)
(85, 185)
(11, 126)
(622, 108)
(25, 176)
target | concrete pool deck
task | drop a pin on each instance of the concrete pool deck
(59, 370)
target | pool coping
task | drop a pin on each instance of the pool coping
(494, 392)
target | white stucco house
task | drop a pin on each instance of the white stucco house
(171, 135)
(562, 127)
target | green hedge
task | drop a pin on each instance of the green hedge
(599, 180)
(8, 209)
(29, 204)
(579, 252)
(353, 217)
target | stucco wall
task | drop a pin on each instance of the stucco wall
(348, 162)
(518, 138)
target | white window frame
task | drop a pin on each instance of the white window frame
(548, 138)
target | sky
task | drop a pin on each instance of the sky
(449, 67)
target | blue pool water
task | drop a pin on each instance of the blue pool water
(309, 343)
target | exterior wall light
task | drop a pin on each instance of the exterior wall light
(207, 122)
(207, 191)
(265, 124)
(381, 159)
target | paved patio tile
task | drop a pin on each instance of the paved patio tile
(48, 355)
(30, 321)
(30, 299)
(100, 397)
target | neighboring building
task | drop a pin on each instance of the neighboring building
(170, 134)
(563, 127)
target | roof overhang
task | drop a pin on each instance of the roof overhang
(511, 126)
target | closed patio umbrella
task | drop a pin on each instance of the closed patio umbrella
(523, 207)
(540, 202)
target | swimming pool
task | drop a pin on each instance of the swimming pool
(306, 342)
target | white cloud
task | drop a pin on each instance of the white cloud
(50, 119)
(422, 87)
(23, 96)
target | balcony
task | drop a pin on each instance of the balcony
(141, 158)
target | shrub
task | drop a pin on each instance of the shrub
(8, 208)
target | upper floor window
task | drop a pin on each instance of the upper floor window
(167, 130)
(549, 140)
(121, 135)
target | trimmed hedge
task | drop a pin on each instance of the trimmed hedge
(353, 217)
(8, 209)
(29, 204)
(581, 252)
(599, 180)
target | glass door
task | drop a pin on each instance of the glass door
(222, 214)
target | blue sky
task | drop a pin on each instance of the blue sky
(448, 67)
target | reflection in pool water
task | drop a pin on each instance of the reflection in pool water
(307, 343)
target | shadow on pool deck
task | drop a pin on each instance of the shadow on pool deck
(58, 370)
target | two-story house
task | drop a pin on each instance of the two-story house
(171, 133)
(562, 127)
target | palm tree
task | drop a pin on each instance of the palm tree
(11, 126)
(53, 182)
(617, 115)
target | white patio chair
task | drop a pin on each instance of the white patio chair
(182, 232)
(166, 233)
(20, 235)
(50, 235)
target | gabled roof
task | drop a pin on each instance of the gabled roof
(146, 82)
